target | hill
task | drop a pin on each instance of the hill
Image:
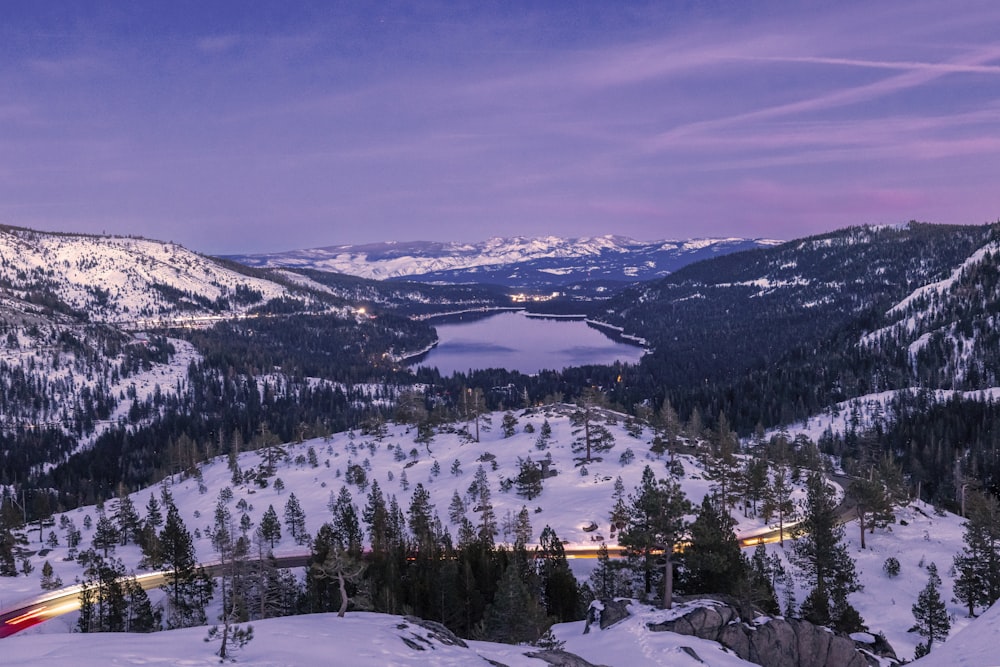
(575, 502)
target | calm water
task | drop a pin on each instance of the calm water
(528, 344)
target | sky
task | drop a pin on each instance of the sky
(235, 127)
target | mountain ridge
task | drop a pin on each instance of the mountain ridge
(518, 261)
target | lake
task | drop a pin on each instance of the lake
(515, 341)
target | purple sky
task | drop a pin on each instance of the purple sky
(251, 127)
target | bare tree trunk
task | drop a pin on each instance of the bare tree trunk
(343, 594)
(668, 578)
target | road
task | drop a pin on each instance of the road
(65, 600)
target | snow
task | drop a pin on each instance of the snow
(393, 260)
(569, 502)
(975, 646)
(114, 279)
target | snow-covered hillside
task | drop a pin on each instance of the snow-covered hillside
(130, 281)
(364, 640)
(569, 502)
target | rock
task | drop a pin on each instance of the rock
(735, 638)
(437, 631)
(775, 643)
(610, 612)
(559, 658)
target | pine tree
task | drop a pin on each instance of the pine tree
(978, 565)
(421, 520)
(295, 520)
(331, 562)
(608, 579)
(270, 527)
(874, 503)
(930, 612)
(345, 523)
(456, 509)
(559, 586)
(50, 581)
(723, 467)
(515, 615)
(544, 435)
(656, 521)
(187, 587)
(778, 501)
(529, 478)
(106, 535)
(713, 562)
(591, 436)
(129, 524)
(509, 424)
(232, 552)
(820, 553)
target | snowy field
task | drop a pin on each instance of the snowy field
(570, 501)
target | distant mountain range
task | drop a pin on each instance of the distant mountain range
(511, 262)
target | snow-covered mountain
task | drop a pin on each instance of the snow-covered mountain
(515, 262)
(118, 279)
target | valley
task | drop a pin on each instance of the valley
(134, 369)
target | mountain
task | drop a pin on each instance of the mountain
(535, 263)
(819, 320)
(129, 281)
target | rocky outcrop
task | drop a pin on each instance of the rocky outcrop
(606, 613)
(773, 642)
(560, 658)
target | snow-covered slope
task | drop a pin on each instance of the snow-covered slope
(569, 502)
(510, 261)
(123, 280)
(361, 640)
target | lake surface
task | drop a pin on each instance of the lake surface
(527, 344)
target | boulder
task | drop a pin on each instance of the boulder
(775, 642)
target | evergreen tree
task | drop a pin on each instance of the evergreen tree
(50, 581)
(591, 436)
(559, 588)
(509, 424)
(608, 580)
(723, 467)
(522, 528)
(421, 520)
(515, 616)
(456, 510)
(656, 521)
(232, 552)
(978, 564)
(874, 503)
(529, 478)
(187, 587)
(270, 527)
(154, 517)
(295, 520)
(763, 574)
(756, 474)
(712, 560)
(129, 524)
(820, 553)
(778, 501)
(106, 535)
(930, 612)
(345, 523)
(544, 435)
